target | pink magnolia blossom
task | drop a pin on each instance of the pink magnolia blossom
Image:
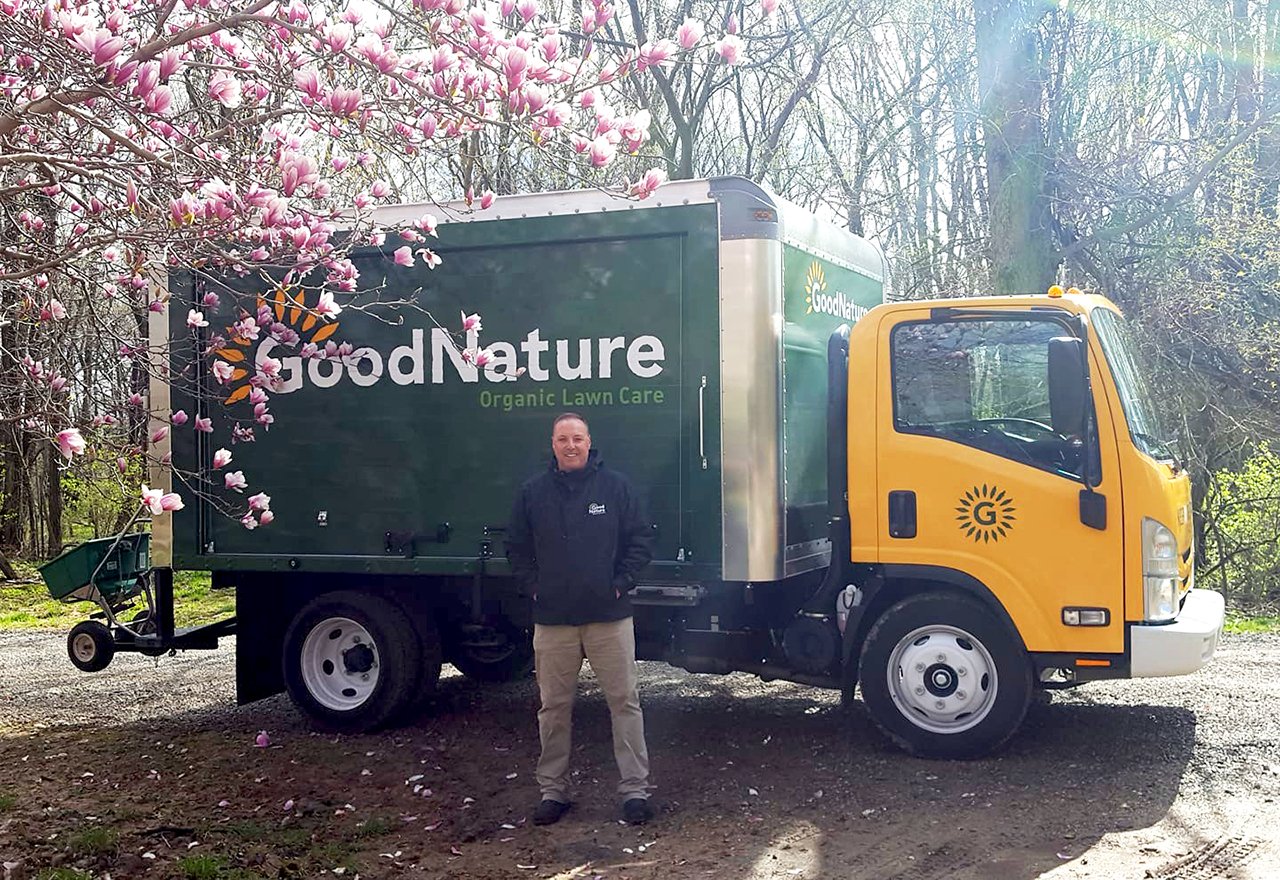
(261, 501)
(729, 48)
(159, 501)
(690, 33)
(235, 480)
(325, 307)
(204, 424)
(53, 311)
(221, 458)
(647, 184)
(403, 256)
(196, 319)
(248, 521)
(159, 434)
(655, 54)
(266, 518)
(179, 418)
(486, 200)
(225, 89)
(261, 741)
(602, 152)
(222, 372)
(103, 45)
(70, 443)
(470, 322)
(769, 7)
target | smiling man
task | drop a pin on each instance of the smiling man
(577, 538)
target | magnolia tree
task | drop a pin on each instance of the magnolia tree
(246, 137)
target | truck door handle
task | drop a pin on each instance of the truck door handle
(902, 514)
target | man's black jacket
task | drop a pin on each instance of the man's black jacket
(577, 540)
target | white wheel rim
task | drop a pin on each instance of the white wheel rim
(942, 679)
(339, 664)
(85, 647)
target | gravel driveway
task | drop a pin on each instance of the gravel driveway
(1173, 779)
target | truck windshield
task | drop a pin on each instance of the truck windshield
(1130, 375)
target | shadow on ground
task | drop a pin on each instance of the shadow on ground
(753, 780)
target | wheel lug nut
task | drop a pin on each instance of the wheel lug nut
(942, 658)
(364, 677)
(919, 691)
(940, 705)
(919, 667)
(960, 695)
(962, 672)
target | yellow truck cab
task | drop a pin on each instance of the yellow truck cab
(1018, 514)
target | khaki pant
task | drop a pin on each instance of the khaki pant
(611, 648)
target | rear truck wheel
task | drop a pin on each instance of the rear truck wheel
(90, 646)
(494, 654)
(352, 661)
(942, 677)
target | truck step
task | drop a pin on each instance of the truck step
(684, 595)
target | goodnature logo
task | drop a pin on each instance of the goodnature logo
(818, 300)
(986, 514)
(294, 316)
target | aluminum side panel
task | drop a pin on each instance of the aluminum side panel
(160, 475)
(750, 355)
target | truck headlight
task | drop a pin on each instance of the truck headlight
(1159, 572)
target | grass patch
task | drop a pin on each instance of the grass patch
(93, 841)
(374, 827)
(1252, 623)
(202, 867)
(62, 874)
(25, 603)
(7, 801)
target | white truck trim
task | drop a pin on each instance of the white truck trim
(1181, 647)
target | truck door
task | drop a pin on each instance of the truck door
(974, 481)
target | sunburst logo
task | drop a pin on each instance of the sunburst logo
(289, 310)
(986, 514)
(815, 282)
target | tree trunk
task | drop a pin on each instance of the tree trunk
(53, 502)
(1011, 81)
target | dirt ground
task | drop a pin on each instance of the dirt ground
(149, 770)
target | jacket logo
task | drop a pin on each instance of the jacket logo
(595, 509)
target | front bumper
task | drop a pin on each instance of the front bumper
(1180, 647)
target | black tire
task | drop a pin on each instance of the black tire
(353, 676)
(494, 665)
(90, 646)
(943, 677)
(429, 645)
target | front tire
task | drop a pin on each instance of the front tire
(352, 661)
(90, 646)
(942, 677)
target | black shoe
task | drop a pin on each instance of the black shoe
(549, 812)
(636, 811)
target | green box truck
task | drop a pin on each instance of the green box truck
(923, 498)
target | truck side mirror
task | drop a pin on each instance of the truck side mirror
(1067, 404)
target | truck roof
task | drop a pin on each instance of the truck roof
(747, 210)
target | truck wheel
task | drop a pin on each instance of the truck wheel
(90, 646)
(509, 661)
(351, 661)
(943, 678)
